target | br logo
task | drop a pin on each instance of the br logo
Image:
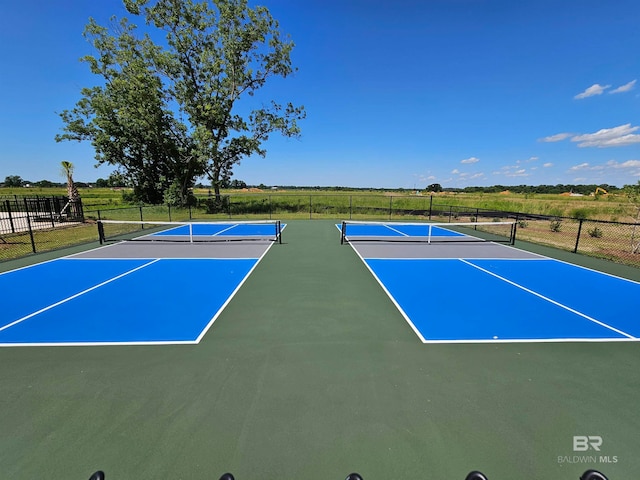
(582, 443)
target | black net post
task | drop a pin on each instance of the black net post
(343, 232)
(101, 232)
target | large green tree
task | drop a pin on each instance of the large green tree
(170, 110)
(128, 120)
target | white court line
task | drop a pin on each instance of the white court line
(224, 305)
(397, 231)
(98, 344)
(20, 320)
(393, 300)
(591, 319)
(225, 229)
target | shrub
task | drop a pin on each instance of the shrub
(580, 213)
(215, 205)
(595, 232)
(555, 225)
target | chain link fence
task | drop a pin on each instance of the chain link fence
(40, 226)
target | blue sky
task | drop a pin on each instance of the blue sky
(398, 94)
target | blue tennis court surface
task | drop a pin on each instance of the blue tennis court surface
(219, 230)
(486, 292)
(117, 301)
(399, 230)
(130, 292)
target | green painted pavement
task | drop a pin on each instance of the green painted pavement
(312, 373)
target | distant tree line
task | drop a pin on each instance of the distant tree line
(12, 181)
(117, 180)
(550, 189)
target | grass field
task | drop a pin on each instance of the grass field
(602, 207)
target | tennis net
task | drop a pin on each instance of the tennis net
(363, 231)
(151, 231)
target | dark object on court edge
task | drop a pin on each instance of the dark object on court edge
(227, 476)
(99, 475)
(475, 475)
(592, 475)
(354, 476)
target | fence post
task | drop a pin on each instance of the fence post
(390, 206)
(50, 206)
(575, 250)
(310, 207)
(270, 208)
(350, 206)
(33, 242)
(13, 228)
(169, 207)
(430, 205)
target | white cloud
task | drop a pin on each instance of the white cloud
(609, 137)
(630, 167)
(627, 164)
(594, 89)
(470, 160)
(455, 171)
(476, 175)
(512, 171)
(547, 165)
(556, 138)
(582, 166)
(624, 88)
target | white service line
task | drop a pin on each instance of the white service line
(397, 231)
(602, 324)
(225, 230)
(20, 320)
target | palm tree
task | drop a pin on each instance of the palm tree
(72, 191)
